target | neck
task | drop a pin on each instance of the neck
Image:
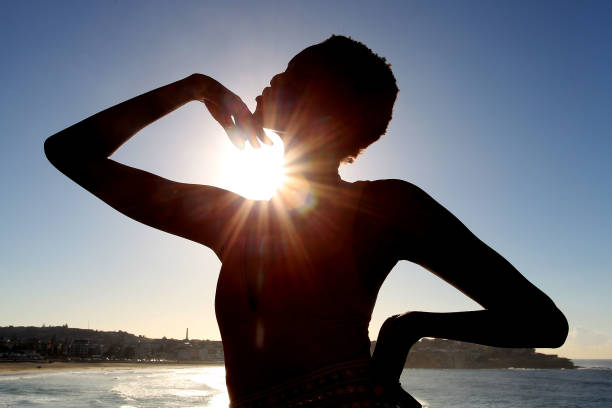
(314, 169)
(310, 179)
(316, 162)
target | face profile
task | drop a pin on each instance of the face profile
(290, 98)
(334, 96)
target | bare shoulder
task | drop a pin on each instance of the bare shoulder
(411, 219)
(397, 198)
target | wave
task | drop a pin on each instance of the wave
(599, 364)
(521, 369)
(595, 368)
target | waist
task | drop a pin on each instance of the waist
(345, 383)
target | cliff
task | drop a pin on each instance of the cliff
(438, 353)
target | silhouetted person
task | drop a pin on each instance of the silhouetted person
(301, 272)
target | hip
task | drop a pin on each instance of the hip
(344, 385)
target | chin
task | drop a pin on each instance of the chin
(271, 119)
(271, 122)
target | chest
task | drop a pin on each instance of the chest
(290, 264)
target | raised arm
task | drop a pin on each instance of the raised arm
(199, 213)
(516, 313)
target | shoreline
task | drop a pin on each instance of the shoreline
(7, 367)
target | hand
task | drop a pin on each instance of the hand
(397, 335)
(228, 109)
(395, 394)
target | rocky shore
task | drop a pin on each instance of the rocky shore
(439, 353)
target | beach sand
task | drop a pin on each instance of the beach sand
(10, 366)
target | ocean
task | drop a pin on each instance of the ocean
(204, 386)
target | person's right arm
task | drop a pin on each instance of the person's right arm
(199, 213)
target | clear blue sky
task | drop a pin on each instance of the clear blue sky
(504, 116)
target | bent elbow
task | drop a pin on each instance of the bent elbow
(58, 154)
(563, 329)
(51, 151)
(556, 329)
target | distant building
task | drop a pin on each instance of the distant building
(203, 354)
(80, 348)
(95, 350)
(186, 353)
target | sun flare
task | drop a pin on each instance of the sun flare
(255, 173)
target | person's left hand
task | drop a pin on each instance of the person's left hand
(397, 335)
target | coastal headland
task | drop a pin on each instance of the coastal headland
(440, 353)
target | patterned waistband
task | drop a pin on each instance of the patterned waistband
(348, 384)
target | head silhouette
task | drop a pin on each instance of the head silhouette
(335, 97)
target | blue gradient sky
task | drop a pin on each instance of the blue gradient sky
(504, 116)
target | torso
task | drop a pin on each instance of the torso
(297, 287)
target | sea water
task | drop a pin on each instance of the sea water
(588, 387)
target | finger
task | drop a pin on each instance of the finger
(248, 133)
(224, 118)
(242, 122)
(253, 140)
(263, 137)
(235, 135)
(244, 119)
(252, 135)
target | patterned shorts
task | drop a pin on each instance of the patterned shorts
(344, 385)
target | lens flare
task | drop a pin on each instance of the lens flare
(255, 173)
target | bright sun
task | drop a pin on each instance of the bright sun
(255, 173)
